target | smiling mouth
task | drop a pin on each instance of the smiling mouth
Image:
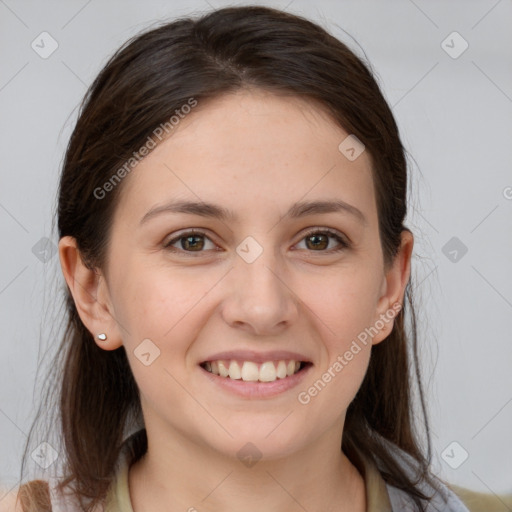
(249, 371)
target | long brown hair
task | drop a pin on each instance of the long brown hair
(140, 88)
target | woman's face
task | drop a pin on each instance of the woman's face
(264, 283)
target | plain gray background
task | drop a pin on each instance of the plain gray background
(454, 110)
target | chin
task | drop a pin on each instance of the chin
(260, 444)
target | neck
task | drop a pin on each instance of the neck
(177, 474)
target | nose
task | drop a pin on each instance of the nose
(259, 299)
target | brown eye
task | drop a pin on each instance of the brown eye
(318, 240)
(191, 241)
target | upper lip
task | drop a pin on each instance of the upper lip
(257, 357)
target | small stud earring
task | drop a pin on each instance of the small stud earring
(102, 337)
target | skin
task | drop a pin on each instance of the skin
(255, 153)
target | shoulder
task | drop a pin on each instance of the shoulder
(8, 501)
(33, 495)
(445, 496)
(483, 502)
(39, 496)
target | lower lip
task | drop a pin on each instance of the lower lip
(257, 389)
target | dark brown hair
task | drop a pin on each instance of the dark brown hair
(141, 87)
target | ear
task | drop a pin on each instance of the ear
(393, 288)
(90, 293)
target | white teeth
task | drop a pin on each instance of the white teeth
(281, 370)
(223, 371)
(249, 372)
(269, 371)
(234, 371)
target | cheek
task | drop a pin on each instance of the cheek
(166, 306)
(152, 300)
(345, 303)
(344, 312)
(343, 307)
(163, 306)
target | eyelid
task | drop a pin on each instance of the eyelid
(330, 231)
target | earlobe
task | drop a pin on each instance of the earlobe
(396, 279)
(90, 294)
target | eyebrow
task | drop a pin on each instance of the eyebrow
(297, 210)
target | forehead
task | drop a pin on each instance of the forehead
(250, 149)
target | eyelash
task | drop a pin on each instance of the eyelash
(344, 244)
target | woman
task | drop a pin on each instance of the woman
(230, 217)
